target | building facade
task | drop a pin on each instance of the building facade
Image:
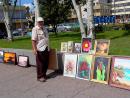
(18, 17)
(102, 8)
(121, 8)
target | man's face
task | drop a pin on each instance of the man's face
(40, 23)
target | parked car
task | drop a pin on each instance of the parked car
(16, 33)
(2, 35)
(63, 27)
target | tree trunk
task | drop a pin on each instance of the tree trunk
(37, 12)
(7, 19)
(79, 15)
(90, 23)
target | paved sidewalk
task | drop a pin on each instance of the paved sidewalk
(18, 82)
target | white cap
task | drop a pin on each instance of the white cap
(40, 19)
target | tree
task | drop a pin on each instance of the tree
(90, 24)
(37, 12)
(55, 11)
(77, 7)
(6, 4)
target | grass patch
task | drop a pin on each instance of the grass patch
(120, 41)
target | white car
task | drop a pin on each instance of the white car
(63, 27)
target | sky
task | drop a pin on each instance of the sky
(26, 3)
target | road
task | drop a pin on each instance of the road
(18, 82)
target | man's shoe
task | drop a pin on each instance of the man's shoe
(42, 80)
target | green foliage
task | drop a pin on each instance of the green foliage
(119, 41)
(55, 11)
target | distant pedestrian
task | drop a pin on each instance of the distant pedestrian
(40, 43)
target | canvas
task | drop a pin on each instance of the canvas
(64, 46)
(102, 47)
(120, 72)
(70, 46)
(84, 66)
(77, 48)
(86, 45)
(1, 56)
(9, 58)
(100, 69)
(23, 61)
(53, 62)
(70, 61)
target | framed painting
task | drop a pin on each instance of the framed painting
(1, 56)
(100, 69)
(53, 62)
(10, 58)
(84, 66)
(70, 46)
(23, 61)
(86, 45)
(70, 61)
(64, 46)
(77, 48)
(102, 46)
(120, 72)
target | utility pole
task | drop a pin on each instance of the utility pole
(90, 22)
(7, 19)
(37, 12)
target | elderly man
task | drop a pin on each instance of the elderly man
(40, 41)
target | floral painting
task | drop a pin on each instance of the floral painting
(84, 66)
(120, 72)
(100, 69)
(86, 45)
(70, 61)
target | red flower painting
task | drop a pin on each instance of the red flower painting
(86, 45)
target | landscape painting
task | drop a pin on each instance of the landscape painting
(120, 72)
(9, 58)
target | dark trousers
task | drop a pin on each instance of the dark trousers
(42, 60)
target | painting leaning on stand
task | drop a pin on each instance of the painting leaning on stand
(40, 41)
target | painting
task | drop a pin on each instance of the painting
(53, 62)
(70, 46)
(70, 61)
(84, 66)
(1, 56)
(77, 48)
(102, 46)
(86, 45)
(64, 46)
(9, 58)
(100, 69)
(23, 61)
(120, 72)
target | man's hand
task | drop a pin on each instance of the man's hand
(35, 52)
